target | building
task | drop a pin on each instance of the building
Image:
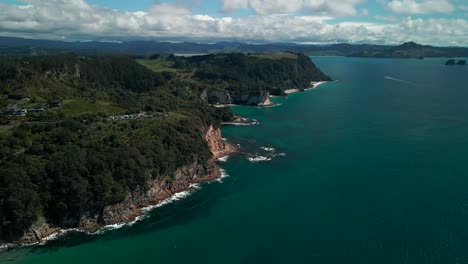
(37, 109)
(55, 104)
(16, 112)
(18, 97)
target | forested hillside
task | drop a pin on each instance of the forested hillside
(81, 133)
(244, 79)
(68, 162)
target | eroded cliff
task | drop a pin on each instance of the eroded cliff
(159, 190)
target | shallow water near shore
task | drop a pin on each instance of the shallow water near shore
(375, 171)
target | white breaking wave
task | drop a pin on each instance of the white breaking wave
(268, 149)
(258, 159)
(223, 159)
(6, 246)
(195, 186)
(244, 124)
(176, 197)
(223, 176)
(57, 235)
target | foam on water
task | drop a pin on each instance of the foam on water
(6, 247)
(268, 149)
(195, 186)
(57, 235)
(223, 176)
(223, 159)
(258, 159)
(176, 197)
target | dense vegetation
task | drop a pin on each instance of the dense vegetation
(72, 161)
(238, 73)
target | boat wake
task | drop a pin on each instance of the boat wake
(397, 80)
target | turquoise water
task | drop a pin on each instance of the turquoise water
(376, 172)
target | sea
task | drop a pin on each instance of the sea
(370, 168)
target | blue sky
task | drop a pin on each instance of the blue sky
(436, 22)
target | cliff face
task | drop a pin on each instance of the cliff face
(248, 98)
(219, 97)
(250, 79)
(159, 190)
(218, 146)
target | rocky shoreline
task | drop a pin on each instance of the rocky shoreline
(312, 86)
(242, 121)
(133, 207)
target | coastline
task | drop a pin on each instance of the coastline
(138, 205)
(313, 86)
(242, 121)
(269, 103)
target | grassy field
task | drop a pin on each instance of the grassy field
(75, 107)
(275, 56)
(158, 65)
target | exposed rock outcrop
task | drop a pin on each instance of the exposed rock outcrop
(159, 190)
(218, 146)
(452, 62)
(38, 231)
(252, 98)
(219, 97)
(259, 98)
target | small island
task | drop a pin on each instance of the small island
(452, 62)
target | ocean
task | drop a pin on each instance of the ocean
(371, 168)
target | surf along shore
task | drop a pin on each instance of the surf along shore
(139, 204)
(312, 86)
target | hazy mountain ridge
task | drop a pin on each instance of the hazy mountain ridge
(10, 45)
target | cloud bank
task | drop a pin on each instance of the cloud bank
(302, 21)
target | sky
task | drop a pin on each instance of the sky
(432, 22)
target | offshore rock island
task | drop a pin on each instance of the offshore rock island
(89, 141)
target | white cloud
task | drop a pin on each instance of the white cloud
(316, 7)
(421, 6)
(231, 5)
(77, 20)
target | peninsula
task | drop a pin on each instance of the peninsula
(88, 141)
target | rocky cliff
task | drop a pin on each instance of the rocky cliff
(159, 190)
(246, 98)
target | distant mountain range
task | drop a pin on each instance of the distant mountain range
(20, 46)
